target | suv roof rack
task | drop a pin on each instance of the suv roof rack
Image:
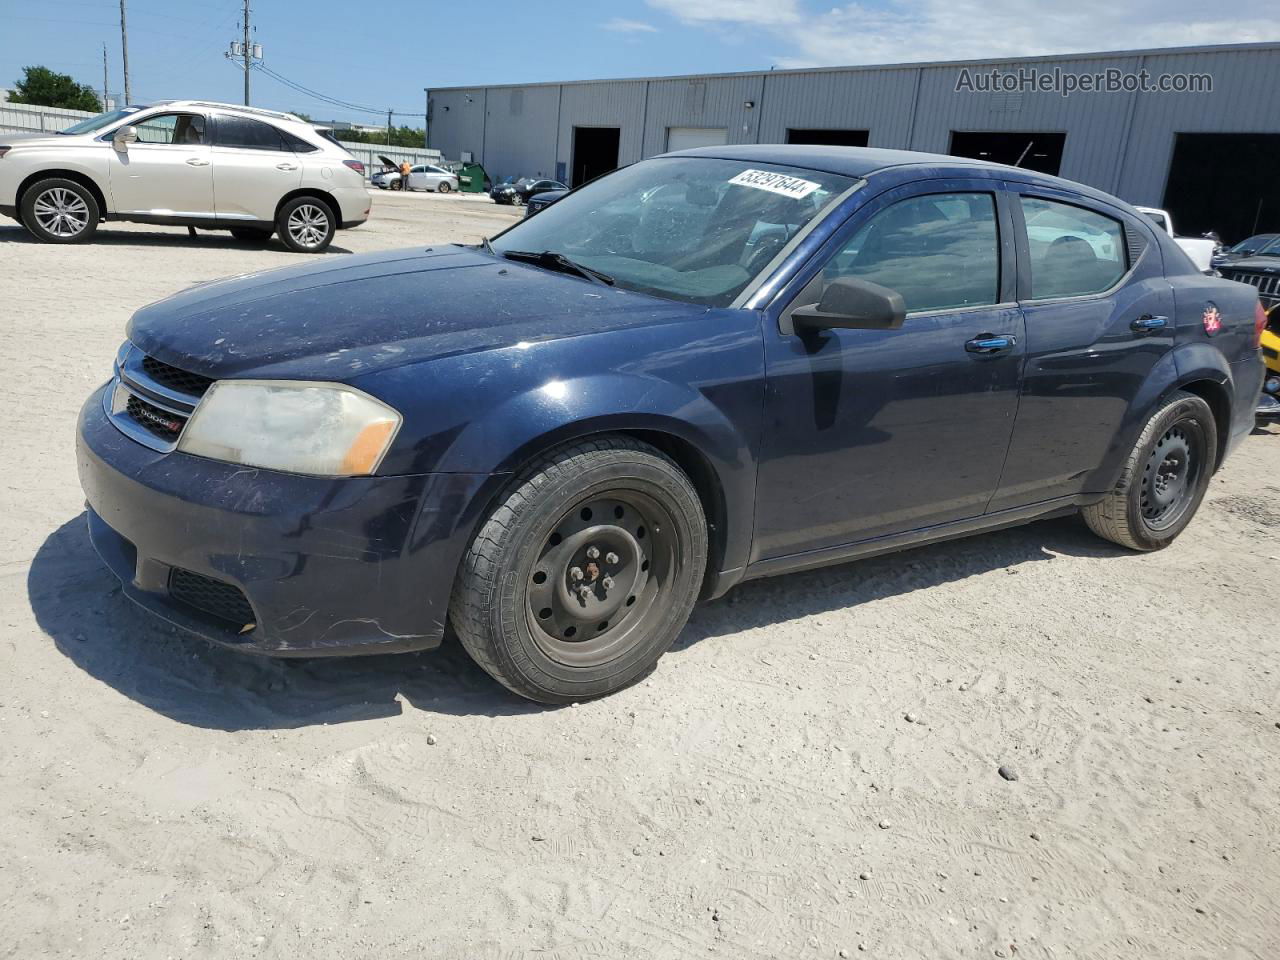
(239, 107)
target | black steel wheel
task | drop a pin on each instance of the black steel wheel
(586, 572)
(1164, 478)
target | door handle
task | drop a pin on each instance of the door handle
(1149, 324)
(286, 166)
(986, 343)
(198, 162)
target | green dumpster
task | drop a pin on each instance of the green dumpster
(471, 178)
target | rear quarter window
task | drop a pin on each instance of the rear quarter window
(1074, 251)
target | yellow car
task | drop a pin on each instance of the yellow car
(1271, 357)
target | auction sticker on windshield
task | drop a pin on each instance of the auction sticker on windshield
(776, 183)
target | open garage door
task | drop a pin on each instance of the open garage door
(686, 138)
(595, 152)
(1041, 152)
(828, 138)
(1225, 182)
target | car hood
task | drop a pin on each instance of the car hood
(1266, 264)
(358, 314)
(32, 139)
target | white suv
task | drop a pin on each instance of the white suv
(187, 163)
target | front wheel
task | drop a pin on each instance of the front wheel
(60, 211)
(306, 224)
(1164, 478)
(585, 573)
(444, 186)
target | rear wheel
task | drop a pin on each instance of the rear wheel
(1164, 478)
(444, 186)
(306, 224)
(60, 211)
(586, 572)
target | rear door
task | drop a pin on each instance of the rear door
(168, 172)
(875, 432)
(1099, 315)
(253, 168)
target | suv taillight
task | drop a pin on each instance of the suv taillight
(355, 165)
(1259, 324)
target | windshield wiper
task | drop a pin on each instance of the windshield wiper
(551, 260)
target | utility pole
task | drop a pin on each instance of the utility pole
(388, 128)
(248, 59)
(104, 76)
(124, 46)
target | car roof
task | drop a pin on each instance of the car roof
(868, 162)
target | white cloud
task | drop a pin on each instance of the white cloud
(759, 13)
(913, 30)
(621, 25)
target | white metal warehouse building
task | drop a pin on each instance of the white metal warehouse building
(1212, 157)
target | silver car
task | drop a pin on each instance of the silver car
(424, 176)
(186, 163)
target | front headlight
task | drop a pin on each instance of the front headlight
(318, 428)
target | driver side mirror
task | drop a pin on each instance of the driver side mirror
(123, 137)
(852, 304)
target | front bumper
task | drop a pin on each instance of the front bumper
(330, 566)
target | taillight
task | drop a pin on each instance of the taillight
(1259, 324)
(355, 165)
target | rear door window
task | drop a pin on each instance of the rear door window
(246, 134)
(1075, 251)
(940, 251)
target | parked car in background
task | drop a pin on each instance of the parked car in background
(540, 201)
(422, 176)
(385, 176)
(1245, 248)
(188, 163)
(1200, 249)
(1262, 270)
(524, 188)
(709, 366)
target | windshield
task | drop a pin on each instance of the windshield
(695, 229)
(100, 121)
(1271, 249)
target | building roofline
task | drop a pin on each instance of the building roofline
(853, 68)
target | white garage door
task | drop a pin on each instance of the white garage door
(686, 138)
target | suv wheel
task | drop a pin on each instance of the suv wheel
(1164, 479)
(585, 574)
(60, 211)
(306, 224)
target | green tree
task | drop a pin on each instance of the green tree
(42, 87)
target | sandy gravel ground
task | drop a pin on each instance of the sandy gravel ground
(812, 770)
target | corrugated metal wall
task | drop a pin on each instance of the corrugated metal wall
(1120, 142)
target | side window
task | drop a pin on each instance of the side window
(1074, 251)
(940, 251)
(248, 134)
(297, 144)
(171, 128)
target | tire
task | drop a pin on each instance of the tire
(444, 186)
(519, 605)
(60, 211)
(251, 235)
(1164, 478)
(306, 224)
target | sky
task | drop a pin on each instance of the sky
(381, 55)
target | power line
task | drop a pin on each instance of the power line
(326, 98)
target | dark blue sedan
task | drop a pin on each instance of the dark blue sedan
(710, 366)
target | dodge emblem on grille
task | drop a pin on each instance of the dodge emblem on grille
(173, 426)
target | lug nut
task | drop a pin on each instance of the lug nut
(607, 583)
(575, 573)
(593, 553)
(584, 592)
(611, 558)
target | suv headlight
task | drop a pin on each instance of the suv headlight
(301, 427)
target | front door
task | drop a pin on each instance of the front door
(875, 432)
(167, 172)
(253, 168)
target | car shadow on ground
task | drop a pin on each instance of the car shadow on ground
(135, 238)
(79, 605)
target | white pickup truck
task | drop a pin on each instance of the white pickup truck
(1199, 249)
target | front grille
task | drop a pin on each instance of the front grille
(157, 422)
(175, 379)
(1268, 284)
(222, 600)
